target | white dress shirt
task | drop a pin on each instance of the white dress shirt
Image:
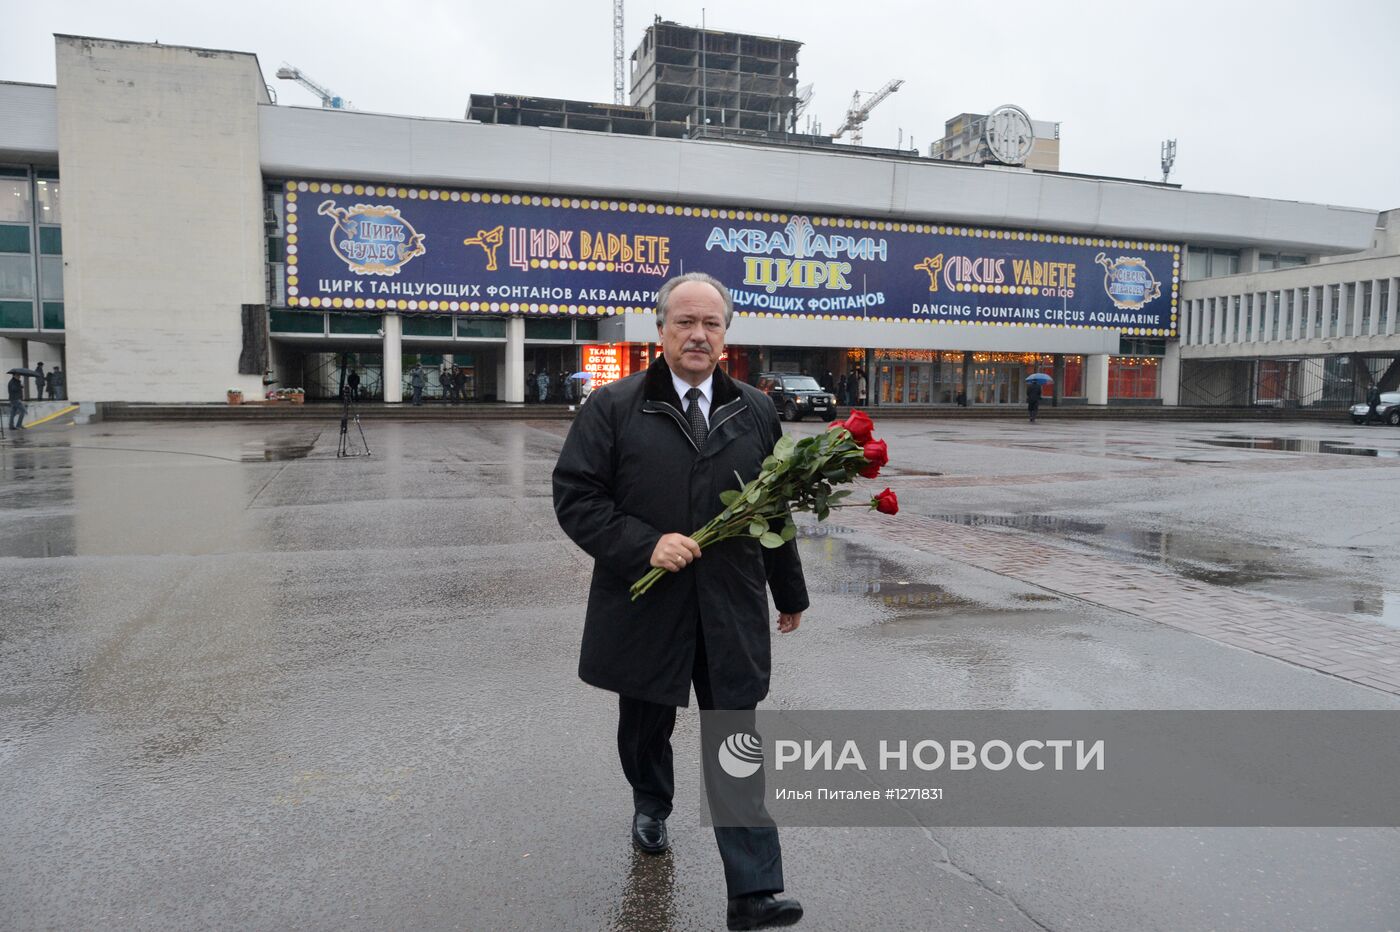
(705, 387)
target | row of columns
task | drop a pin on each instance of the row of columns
(511, 378)
(1293, 314)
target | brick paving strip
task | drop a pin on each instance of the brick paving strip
(1362, 652)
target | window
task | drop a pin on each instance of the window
(1334, 308)
(51, 278)
(1130, 377)
(1202, 262)
(46, 197)
(547, 329)
(1272, 260)
(16, 277)
(14, 238)
(1198, 264)
(1384, 325)
(1366, 291)
(1233, 334)
(490, 327)
(14, 201)
(1142, 346)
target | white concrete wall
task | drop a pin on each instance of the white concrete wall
(28, 124)
(162, 217)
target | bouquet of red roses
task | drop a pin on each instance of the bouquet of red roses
(800, 475)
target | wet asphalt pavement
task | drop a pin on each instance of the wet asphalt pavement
(246, 685)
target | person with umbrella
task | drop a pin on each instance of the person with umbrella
(583, 384)
(1035, 382)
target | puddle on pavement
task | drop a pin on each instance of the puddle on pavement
(1297, 445)
(282, 451)
(1234, 564)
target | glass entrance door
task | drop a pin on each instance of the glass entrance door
(996, 384)
(906, 383)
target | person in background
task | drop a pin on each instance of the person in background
(353, 383)
(39, 382)
(1373, 402)
(459, 384)
(542, 385)
(16, 391)
(57, 386)
(416, 382)
(1033, 400)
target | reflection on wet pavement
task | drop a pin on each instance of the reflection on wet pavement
(648, 899)
(1297, 445)
(1267, 568)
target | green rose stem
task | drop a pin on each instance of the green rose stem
(798, 476)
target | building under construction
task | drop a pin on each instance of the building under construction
(725, 80)
(686, 83)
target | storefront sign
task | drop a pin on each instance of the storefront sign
(604, 363)
(375, 247)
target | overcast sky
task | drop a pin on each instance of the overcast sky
(1285, 100)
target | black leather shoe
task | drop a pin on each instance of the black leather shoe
(649, 833)
(763, 911)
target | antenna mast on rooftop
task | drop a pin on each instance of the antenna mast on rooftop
(618, 57)
(1168, 157)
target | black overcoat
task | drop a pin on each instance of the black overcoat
(628, 473)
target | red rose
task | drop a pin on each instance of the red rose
(870, 472)
(835, 424)
(886, 502)
(860, 425)
(877, 453)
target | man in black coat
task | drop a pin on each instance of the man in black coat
(1373, 405)
(640, 469)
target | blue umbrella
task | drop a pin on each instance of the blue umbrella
(1040, 377)
(586, 376)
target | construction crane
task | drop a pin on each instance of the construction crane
(618, 58)
(330, 100)
(859, 112)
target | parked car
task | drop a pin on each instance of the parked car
(1389, 409)
(797, 395)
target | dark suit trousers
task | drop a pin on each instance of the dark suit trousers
(753, 860)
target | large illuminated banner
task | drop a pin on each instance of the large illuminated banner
(428, 250)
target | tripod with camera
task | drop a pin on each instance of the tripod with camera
(350, 412)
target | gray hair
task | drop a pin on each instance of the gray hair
(663, 297)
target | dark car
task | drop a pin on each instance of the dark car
(1388, 409)
(797, 395)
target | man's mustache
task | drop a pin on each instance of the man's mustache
(702, 347)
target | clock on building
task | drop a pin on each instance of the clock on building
(1009, 135)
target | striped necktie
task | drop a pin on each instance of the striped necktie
(699, 430)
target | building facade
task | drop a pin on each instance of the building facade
(209, 239)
